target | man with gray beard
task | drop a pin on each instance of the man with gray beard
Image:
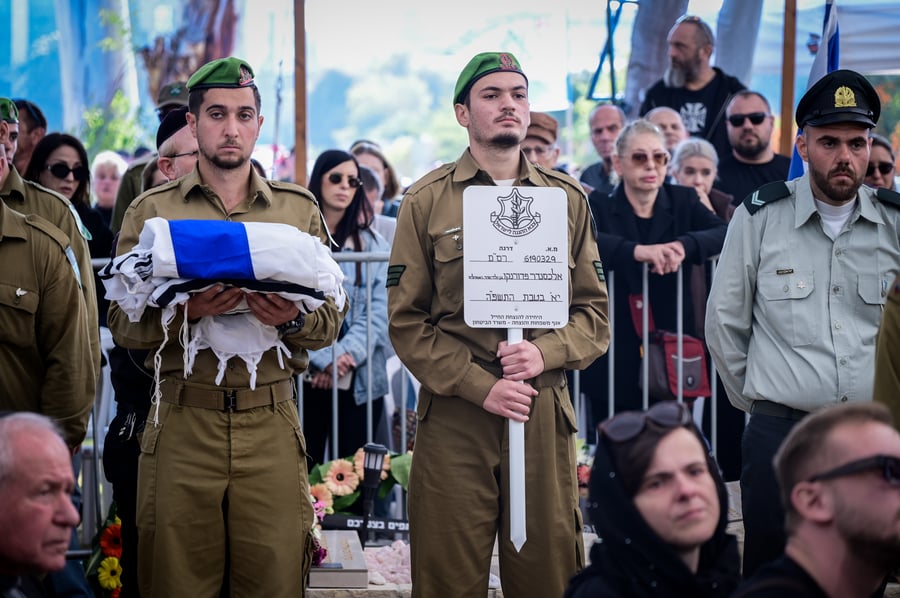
(839, 476)
(691, 86)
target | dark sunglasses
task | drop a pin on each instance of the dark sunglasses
(61, 171)
(640, 158)
(884, 168)
(335, 178)
(629, 424)
(756, 118)
(889, 469)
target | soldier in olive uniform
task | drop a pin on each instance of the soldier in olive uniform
(28, 197)
(45, 360)
(887, 354)
(797, 298)
(222, 475)
(472, 380)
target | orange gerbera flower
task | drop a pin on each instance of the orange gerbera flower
(111, 541)
(322, 494)
(359, 462)
(341, 479)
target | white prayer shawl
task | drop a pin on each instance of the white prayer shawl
(174, 258)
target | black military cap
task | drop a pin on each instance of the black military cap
(841, 96)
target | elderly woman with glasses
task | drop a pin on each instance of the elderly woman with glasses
(645, 220)
(881, 170)
(60, 163)
(659, 507)
(348, 214)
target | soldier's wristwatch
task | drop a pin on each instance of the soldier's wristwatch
(292, 326)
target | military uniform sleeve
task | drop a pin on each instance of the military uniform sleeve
(729, 309)
(887, 355)
(64, 336)
(586, 335)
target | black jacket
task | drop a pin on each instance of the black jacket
(629, 559)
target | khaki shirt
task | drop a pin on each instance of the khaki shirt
(189, 198)
(887, 355)
(425, 302)
(45, 358)
(27, 197)
(793, 313)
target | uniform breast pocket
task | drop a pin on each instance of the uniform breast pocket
(18, 307)
(789, 305)
(872, 290)
(448, 267)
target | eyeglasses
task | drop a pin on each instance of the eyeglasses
(193, 153)
(335, 178)
(756, 118)
(628, 424)
(889, 469)
(538, 150)
(61, 170)
(884, 168)
(641, 158)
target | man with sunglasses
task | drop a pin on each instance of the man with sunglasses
(797, 297)
(692, 86)
(473, 382)
(839, 478)
(223, 450)
(752, 162)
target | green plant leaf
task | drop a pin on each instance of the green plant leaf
(400, 465)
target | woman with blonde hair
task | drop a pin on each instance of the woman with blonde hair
(106, 174)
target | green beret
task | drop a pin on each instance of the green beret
(484, 64)
(224, 72)
(8, 111)
(841, 96)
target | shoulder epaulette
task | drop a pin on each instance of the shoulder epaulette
(65, 201)
(293, 188)
(562, 177)
(48, 228)
(766, 194)
(435, 175)
(888, 196)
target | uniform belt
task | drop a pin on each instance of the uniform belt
(226, 399)
(777, 410)
(542, 380)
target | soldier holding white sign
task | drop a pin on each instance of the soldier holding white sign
(472, 379)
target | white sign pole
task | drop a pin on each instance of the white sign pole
(517, 533)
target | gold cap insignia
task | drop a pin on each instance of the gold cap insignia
(844, 97)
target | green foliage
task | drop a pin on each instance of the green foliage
(888, 88)
(109, 127)
(113, 21)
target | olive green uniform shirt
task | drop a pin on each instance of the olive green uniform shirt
(189, 198)
(131, 185)
(28, 197)
(45, 358)
(887, 355)
(425, 302)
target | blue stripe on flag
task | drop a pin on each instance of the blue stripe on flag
(211, 250)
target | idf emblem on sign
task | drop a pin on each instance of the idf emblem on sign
(515, 218)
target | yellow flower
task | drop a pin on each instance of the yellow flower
(322, 494)
(359, 461)
(341, 479)
(109, 573)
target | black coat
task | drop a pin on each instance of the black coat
(677, 215)
(629, 560)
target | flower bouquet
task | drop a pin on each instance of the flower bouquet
(103, 570)
(337, 484)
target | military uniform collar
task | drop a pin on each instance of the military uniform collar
(9, 226)
(13, 186)
(806, 205)
(259, 188)
(467, 169)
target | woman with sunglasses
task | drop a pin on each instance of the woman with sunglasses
(60, 163)
(659, 507)
(335, 183)
(881, 170)
(645, 221)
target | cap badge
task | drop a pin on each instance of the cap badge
(246, 77)
(508, 63)
(844, 97)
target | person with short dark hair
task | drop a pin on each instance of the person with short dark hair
(838, 474)
(32, 128)
(659, 506)
(799, 291)
(605, 120)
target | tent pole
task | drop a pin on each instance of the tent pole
(788, 63)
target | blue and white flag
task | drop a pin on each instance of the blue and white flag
(824, 62)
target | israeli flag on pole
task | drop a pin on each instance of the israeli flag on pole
(824, 62)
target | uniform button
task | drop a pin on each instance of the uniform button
(786, 288)
(836, 289)
(843, 361)
(837, 326)
(844, 399)
(838, 252)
